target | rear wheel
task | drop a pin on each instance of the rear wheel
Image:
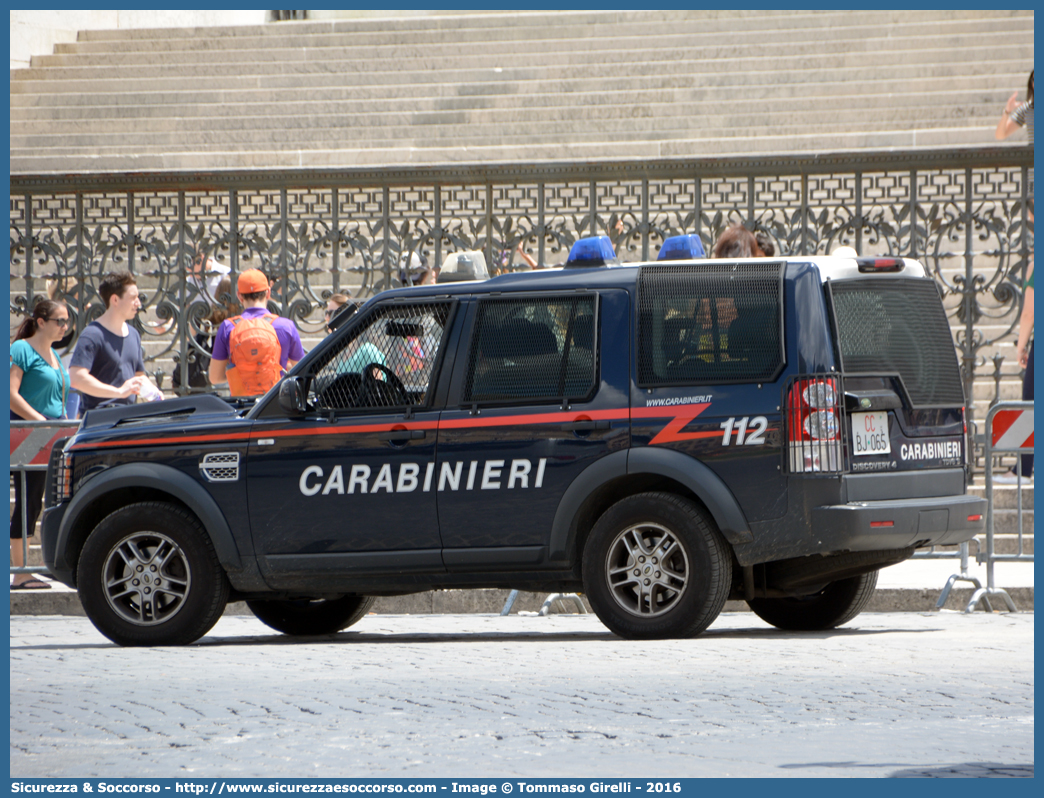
(655, 566)
(836, 604)
(148, 575)
(311, 616)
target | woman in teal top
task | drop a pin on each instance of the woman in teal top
(39, 386)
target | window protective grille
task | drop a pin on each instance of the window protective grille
(533, 349)
(896, 326)
(387, 362)
(713, 323)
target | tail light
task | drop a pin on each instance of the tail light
(814, 425)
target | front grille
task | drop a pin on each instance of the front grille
(898, 327)
(223, 467)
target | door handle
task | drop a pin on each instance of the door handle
(400, 435)
(585, 426)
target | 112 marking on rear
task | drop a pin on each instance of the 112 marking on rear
(754, 436)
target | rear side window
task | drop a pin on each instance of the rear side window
(713, 323)
(533, 349)
(898, 327)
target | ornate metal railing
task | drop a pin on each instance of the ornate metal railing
(962, 212)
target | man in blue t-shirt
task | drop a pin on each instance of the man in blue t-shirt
(107, 366)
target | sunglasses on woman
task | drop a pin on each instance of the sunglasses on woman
(60, 322)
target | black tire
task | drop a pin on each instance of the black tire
(836, 604)
(682, 599)
(148, 575)
(311, 617)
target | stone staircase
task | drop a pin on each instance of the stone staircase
(518, 87)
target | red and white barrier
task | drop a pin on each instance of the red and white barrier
(32, 441)
(1012, 429)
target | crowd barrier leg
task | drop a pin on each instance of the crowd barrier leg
(510, 602)
(963, 576)
(544, 610)
(562, 597)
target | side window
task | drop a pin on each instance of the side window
(533, 349)
(710, 323)
(387, 362)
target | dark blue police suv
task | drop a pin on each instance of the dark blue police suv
(661, 436)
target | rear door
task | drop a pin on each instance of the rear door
(531, 406)
(903, 393)
(710, 357)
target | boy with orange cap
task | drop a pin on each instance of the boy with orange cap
(253, 350)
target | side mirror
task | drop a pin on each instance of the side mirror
(291, 397)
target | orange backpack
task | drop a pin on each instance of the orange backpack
(253, 356)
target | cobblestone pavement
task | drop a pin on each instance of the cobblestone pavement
(892, 694)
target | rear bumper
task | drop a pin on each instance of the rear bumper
(898, 523)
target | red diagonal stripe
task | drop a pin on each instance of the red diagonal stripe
(1002, 420)
(44, 454)
(18, 436)
(682, 416)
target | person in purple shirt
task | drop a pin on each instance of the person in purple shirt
(254, 291)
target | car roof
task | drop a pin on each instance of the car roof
(624, 275)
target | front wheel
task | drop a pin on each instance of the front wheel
(836, 604)
(311, 616)
(655, 566)
(148, 575)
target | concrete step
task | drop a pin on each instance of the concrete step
(1011, 388)
(347, 51)
(956, 105)
(480, 129)
(345, 58)
(1006, 522)
(312, 77)
(670, 110)
(1005, 497)
(417, 153)
(431, 142)
(455, 133)
(781, 24)
(1003, 543)
(754, 86)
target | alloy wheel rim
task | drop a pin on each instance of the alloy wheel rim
(647, 570)
(146, 578)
